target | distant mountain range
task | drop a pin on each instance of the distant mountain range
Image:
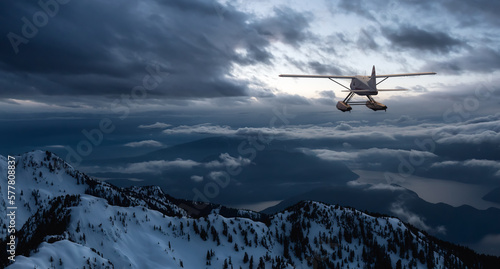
(258, 171)
(278, 171)
(66, 219)
(441, 220)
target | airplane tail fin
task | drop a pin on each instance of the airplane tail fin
(373, 78)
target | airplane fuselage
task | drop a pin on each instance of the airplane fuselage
(363, 85)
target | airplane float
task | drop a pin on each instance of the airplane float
(363, 86)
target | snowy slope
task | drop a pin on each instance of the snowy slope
(69, 220)
(39, 179)
(62, 254)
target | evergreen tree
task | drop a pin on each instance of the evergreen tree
(399, 265)
(262, 264)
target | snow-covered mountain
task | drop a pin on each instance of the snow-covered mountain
(66, 219)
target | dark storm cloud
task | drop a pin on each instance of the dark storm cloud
(102, 48)
(466, 13)
(357, 7)
(424, 40)
(366, 41)
(471, 13)
(320, 68)
(482, 60)
(286, 26)
(325, 67)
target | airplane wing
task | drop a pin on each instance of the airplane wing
(405, 75)
(350, 77)
(316, 76)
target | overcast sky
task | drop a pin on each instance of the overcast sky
(157, 70)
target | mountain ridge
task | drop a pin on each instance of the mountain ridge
(408, 205)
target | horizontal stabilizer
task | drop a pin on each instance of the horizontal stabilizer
(361, 91)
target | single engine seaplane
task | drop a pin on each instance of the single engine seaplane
(364, 86)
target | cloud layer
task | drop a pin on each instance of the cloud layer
(144, 143)
(187, 47)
